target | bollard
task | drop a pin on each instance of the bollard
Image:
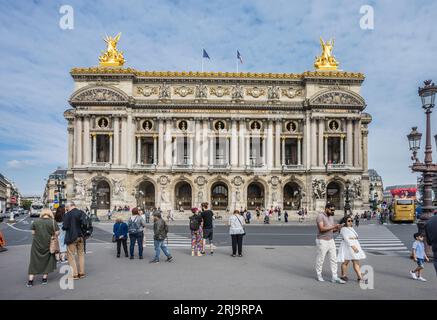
(11, 218)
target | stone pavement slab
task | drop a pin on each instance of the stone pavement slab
(263, 273)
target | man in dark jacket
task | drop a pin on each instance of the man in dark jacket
(431, 237)
(160, 230)
(74, 239)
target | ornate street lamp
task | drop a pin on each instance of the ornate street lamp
(61, 187)
(94, 216)
(347, 205)
(427, 168)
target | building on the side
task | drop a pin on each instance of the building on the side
(376, 187)
(236, 140)
(51, 191)
(387, 196)
(9, 194)
(3, 193)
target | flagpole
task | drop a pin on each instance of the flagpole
(202, 60)
(237, 61)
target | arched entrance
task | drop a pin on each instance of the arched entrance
(255, 196)
(103, 195)
(219, 196)
(183, 196)
(146, 195)
(292, 196)
(333, 194)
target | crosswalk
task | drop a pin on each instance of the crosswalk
(381, 240)
(174, 241)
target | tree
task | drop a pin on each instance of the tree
(26, 204)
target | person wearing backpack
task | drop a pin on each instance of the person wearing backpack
(196, 233)
(160, 230)
(75, 233)
(136, 226)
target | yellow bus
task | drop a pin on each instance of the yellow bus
(404, 210)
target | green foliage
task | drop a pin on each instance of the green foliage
(26, 204)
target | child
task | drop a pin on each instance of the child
(419, 256)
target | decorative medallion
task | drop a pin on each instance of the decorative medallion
(220, 125)
(147, 91)
(238, 181)
(292, 93)
(291, 126)
(255, 125)
(183, 125)
(147, 125)
(256, 92)
(220, 91)
(274, 181)
(334, 125)
(103, 123)
(183, 91)
(164, 180)
(200, 180)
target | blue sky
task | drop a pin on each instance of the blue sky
(273, 36)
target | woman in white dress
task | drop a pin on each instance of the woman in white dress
(350, 249)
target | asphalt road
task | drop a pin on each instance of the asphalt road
(293, 234)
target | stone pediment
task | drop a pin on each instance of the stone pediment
(98, 95)
(337, 97)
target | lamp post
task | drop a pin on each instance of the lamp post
(94, 216)
(427, 168)
(347, 205)
(61, 187)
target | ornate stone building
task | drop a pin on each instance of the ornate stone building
(176, 139)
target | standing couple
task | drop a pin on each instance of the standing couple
(349, 250)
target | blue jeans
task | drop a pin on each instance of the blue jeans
(160, 244)
(136, 237)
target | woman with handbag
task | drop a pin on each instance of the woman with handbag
(237, 232)
(45, 245)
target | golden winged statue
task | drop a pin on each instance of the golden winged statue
(326, 61)
(112, 57)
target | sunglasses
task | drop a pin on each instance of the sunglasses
(348, 220)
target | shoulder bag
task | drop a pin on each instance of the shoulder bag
(244, 231)
(54, 242)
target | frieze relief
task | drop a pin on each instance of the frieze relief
(256, 92)
(220, 91)
(99, 94)
(292, 93)
(147, 91)
(183, 91)
(334, 98)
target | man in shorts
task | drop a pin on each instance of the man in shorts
(207, 216)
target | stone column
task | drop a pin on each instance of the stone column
(322, 156)
(130, 142)
(211, 150)
(110, 148)
(356, 144)
(266, 153)
(123, 157)
(191, 150)
(342, 149)
(326, 151)
(365, 151)
(313, 144)
(78, 141)
(278, 129)
(70, 147)
(86, 141)
(168, 143)
(268, 156)
(349, 141)
(360, 144)
(247, 151)
(155, 150)
(299, 150)
(205, 143)
(234, 144)
(116, 141)
(175, 150)
(139, 150)
(197, 145)
(227, 158)
(283, 151)
(306, 142)
(242, 159)
(160, 160)
(94, 148)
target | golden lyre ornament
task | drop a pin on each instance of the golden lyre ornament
(326, 61)
(112, 57)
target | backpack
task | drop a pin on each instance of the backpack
(133, 226)
(86, 225)
(194, 223)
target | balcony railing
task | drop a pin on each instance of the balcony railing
(336, 166)
(219, 167)
(292, 167)
(145, 166)
(181, 167)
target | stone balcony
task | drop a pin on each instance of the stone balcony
(292, 167)
(182, 167)
(219, 168)
(148, 167)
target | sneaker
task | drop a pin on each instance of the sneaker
(203, 252)
(81, 275)
(118, 256)
(141, 258)
(212, 252)
(320, 279)
(233, 255)
(169, 259)
(421, 279)
(192, 253)
(44, 281)
(199, 254)
(338, 280)
(154, 261)
(29, 283)
(240, 255)
(413, 275)
(346, 278)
